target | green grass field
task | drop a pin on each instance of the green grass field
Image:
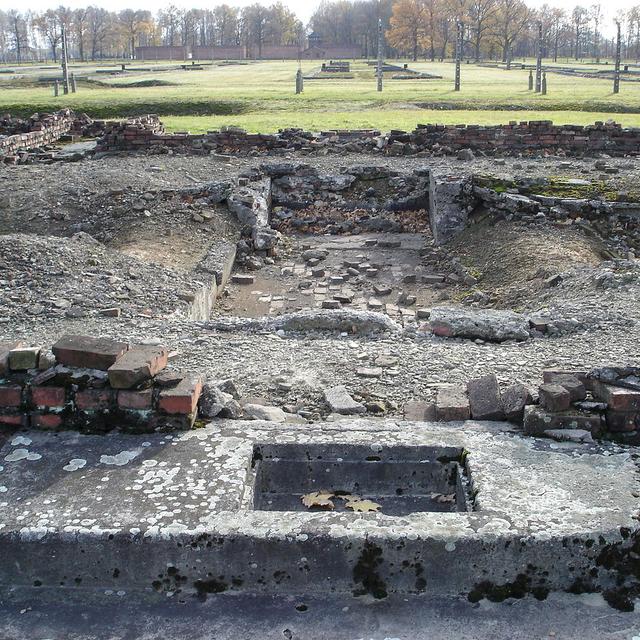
(260, 96)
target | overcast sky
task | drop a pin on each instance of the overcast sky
(303, 8)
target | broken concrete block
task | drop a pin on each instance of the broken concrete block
(452, 403)
(448, 201)
(486, 324)
(5, 349)
(617, 398)
(340, 401)
(23, 358)
(569, 435)
(420, 411)
(331, 304)
(87, 352)
(537, 420)
(262, 412)
(137, 366)
(554, 397)
(484, 398)
(514, 399)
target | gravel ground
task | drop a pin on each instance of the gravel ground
(595, 306)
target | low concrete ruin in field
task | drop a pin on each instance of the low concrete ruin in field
(307, 364)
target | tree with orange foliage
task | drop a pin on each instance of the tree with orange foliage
(407, 26)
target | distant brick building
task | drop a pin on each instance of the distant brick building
(163, 52)
(315, 51)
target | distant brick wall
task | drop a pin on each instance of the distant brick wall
(94, 385)
(218, 53)
(162, 53)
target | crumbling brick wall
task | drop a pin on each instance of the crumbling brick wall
(44, 129)
(515, 138)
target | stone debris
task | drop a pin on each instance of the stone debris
(452, 403)
(262, 412)
(484, 398)
(489, 325)
(554, 397)
(38, 272)
(340, 401)
(514, 399)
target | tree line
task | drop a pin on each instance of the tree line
(492, 29)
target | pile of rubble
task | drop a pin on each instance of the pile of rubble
(94, 385)
(47, 277)
(576, 404)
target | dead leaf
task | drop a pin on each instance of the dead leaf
(441, 498)
(320, 499)
(363, 506)
(349, 497)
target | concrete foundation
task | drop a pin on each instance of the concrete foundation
(175, 513)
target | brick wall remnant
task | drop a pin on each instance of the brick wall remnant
(528, 138)
(94, 385)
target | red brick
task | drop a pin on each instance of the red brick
(88, 352)
(14, 420)
(94, 399)
(48, 396)
(137, 366)
(10, 396)
(182, 399)
(45, 420)
(617, 398)
(135, 399)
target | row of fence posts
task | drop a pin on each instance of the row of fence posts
(540, 77)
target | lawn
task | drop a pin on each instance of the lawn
(260, 96)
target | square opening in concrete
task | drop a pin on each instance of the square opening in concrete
(400, 479)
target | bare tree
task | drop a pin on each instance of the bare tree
(17, 33)
(512, 17)
(49, 26)
(133, 23)
(482, 14)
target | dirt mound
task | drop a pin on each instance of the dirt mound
(514, 261)
(77, 277)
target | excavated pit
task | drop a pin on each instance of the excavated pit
(398, 480)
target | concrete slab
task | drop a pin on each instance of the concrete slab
(117, 615)
(173, 513)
